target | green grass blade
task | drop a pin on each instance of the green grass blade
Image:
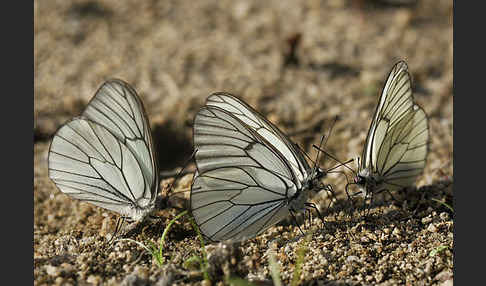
(204, 265)
(437, 250)
(274, 269)
(444, 204)
(301, 251)
(166, 230)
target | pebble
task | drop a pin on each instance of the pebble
(444, 216)
(352, 258)
(52, 270)
(443, 276)
(206, 283)
(432, 228)
(426, 220)
(93, 279)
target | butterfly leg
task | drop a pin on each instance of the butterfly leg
(309, 218)
(367, 207)
(295, 220)
(180, 172)
(330, 189)
(350, 199)
(119, 223)
(313, 206)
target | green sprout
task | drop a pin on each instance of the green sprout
(444, 204)
(437, 250)
(157, 253)
(203, 262)
(301, 251)
(274, 269)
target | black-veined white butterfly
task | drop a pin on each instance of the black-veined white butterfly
(106, 156)
(396, 146)
(249, 174)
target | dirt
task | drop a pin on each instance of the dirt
(300, 64)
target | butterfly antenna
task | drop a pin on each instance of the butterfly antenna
(330, 131)
(340, 164)
(334, 158)
(318, 153)
(324, 142)
(303, 152)
(180, 172)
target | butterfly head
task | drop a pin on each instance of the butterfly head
(319, 174)
(314, 181)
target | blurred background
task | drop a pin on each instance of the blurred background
(300, 63)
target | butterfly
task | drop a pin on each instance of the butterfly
(106, 155)
(395, 151)
(249, 175)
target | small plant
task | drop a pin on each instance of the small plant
(203, 262)
(437, 250)
(274, 269)
(444, 204)
(157, 253)
(301, 251)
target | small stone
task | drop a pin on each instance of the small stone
(426, 220)
(449, 282)
(352, 258)
(432, 228)
(443, 276)
(67, 268)
(396, 232)
(206, 283)
(52, 270)
(93, 279)
(428, 267)
(444, 216)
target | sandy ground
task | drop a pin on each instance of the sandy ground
(300, 64)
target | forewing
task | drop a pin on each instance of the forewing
(265, 128)
(87, 162)
(118, 108)
(242, 183)
(395, 102)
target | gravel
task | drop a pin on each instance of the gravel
(175, 53)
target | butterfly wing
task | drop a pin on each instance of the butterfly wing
(106, 156)
(89, 163)
(265, 128)
(402, 154)
(242, 183)
(396, 143)
(118, 108)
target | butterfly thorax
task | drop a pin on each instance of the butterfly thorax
(309, 187)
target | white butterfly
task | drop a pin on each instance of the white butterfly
(249, 174)
(396, 146)
(106, 156)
